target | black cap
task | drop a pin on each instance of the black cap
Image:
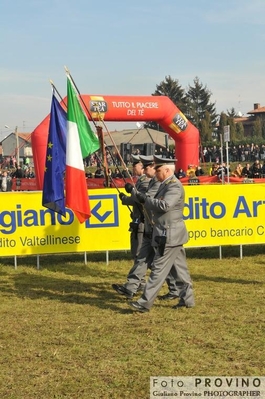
(160, 161)
(146, 160)
(135, 159)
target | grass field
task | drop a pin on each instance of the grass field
(66, 334)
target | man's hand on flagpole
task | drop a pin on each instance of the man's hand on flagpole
(129, 187)
(121, 196)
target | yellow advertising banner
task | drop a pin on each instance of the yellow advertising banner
(218, 215)
(215, 215)
(26, 227)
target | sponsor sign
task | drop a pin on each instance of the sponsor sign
(215, 215)
(28, 228)
(225, 215)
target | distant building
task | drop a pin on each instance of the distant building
(248, 121)
(9, 146)
(146, 141)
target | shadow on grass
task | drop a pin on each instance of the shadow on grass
(36, 287)
(95, 293)
(221, 279)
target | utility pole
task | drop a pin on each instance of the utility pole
(17, 145)
(226, 140)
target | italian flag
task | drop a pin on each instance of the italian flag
(80, 142)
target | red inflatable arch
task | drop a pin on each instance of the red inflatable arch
(130, 108)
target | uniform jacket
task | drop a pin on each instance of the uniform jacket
(167, 212)
(141, 185)
(151, 191)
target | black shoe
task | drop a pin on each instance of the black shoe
(167, 297)
(123, 291)
(182, 304)
(139, 308)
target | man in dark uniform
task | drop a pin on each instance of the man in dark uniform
(136, 275)
(169, 235)
(137, 223)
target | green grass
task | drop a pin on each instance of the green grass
(64, 333)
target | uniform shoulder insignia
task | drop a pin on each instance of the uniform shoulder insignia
(174, 180)
(143, 177)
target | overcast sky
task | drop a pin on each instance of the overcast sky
(126, 48)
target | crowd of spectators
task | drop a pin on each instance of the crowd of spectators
(249, 160)
(247, 157)
(7, 175)
(114, 157)
(255, 170)
(236, 153)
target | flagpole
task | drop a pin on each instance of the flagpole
(104, 157)
(55, 89)
(109, 177)
(81, 98)
(114, 162)
(140, 206)
(114, 144)
(135, 134)
(101, 120)
(112, 179)
(98, 128)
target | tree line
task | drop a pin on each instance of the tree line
(195, 103)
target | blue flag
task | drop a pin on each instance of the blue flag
(53, 186)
